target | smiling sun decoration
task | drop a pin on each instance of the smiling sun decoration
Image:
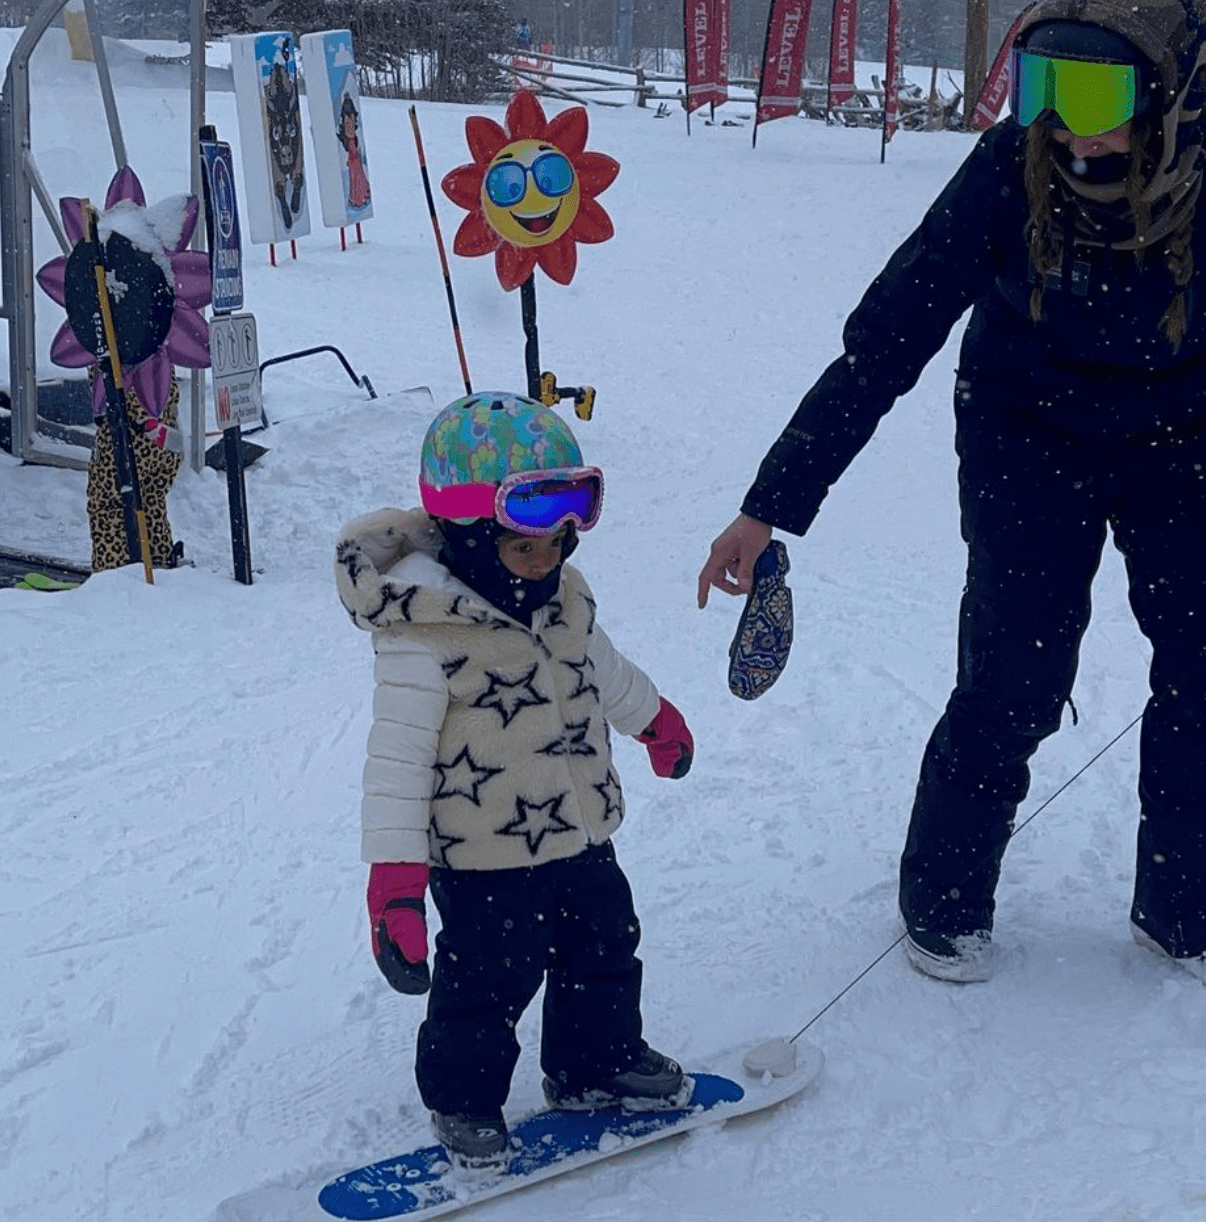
(530, 191)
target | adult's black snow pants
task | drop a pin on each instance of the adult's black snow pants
(568, 924)
(1036, 505)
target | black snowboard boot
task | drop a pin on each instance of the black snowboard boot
(654, 1083)
(473, 1141)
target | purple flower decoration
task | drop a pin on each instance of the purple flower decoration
(149, 244)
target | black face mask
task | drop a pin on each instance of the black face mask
(1112, 167)
(470, 553)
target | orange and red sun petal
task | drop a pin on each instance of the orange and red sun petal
(596, 172)
(475, 237)
(525, 117)
(464, 185)
(485, 138)
(560, 259)
(514, 264)
(592, 224)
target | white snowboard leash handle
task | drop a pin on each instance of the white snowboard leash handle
(1029, 819)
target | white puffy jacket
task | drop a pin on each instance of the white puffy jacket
(489, 746)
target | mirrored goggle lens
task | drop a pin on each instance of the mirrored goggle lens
(553, 174)
(537, 506)
(1090, 98)
(506, 183)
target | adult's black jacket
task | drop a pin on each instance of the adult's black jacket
(1097, 364)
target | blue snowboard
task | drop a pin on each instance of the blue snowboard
(423, 1183)
(417, 1182)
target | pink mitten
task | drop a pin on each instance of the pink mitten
(163, 435)
(398, 917)
(669, 743)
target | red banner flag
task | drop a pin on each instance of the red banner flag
(996, 84)
(720, 50)
(699, 37)
(841, 51)
(892, 72)
(783, 60)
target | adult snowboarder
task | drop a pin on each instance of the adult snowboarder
(1072, 233)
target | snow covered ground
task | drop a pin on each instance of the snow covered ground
(190, 1005)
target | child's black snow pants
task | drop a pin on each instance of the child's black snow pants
(568, 924)
(1035, 507)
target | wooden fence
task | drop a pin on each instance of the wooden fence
(576, 80)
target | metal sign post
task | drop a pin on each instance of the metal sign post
(234, 352)
(234, 355)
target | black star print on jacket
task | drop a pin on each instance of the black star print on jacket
(613, 802)
(462, 778)
(536, 820)
(509, 696)
(573, 741)
(583, 685)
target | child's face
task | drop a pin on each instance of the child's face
(532, 557)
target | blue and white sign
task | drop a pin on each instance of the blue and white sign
(225, 243)
(264, 67)
(341, 158)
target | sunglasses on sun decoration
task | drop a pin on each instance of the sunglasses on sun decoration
(1088, 96)
(529, 502)
(507, 182)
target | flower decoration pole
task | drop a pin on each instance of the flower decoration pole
(108, 358)
(133, 261)
(530, 192)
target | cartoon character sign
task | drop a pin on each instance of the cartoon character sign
(348, 135)
(282, 123)
(530, 191)
(270, 133)
(337, 127)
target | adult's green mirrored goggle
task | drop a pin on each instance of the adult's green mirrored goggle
(1088, 96)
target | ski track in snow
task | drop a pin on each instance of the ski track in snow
(191, 1007)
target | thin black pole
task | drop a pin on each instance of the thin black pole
(770, 18)
(688, 39)
(236, 496)
(435, 225)
(531, 349)
(829, 69)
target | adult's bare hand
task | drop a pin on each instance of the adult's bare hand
(730, 566)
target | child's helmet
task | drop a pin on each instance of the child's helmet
(483, 440)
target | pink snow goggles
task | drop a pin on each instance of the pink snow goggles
(529, 502)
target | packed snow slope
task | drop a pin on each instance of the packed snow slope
(190, 1005)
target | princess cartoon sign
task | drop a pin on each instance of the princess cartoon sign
(337, 128)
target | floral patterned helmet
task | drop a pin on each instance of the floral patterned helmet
(482, 441)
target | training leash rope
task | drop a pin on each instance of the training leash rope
(1029, 819)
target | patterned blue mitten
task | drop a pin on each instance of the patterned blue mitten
(762, 641)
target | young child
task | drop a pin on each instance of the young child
(490, 774)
